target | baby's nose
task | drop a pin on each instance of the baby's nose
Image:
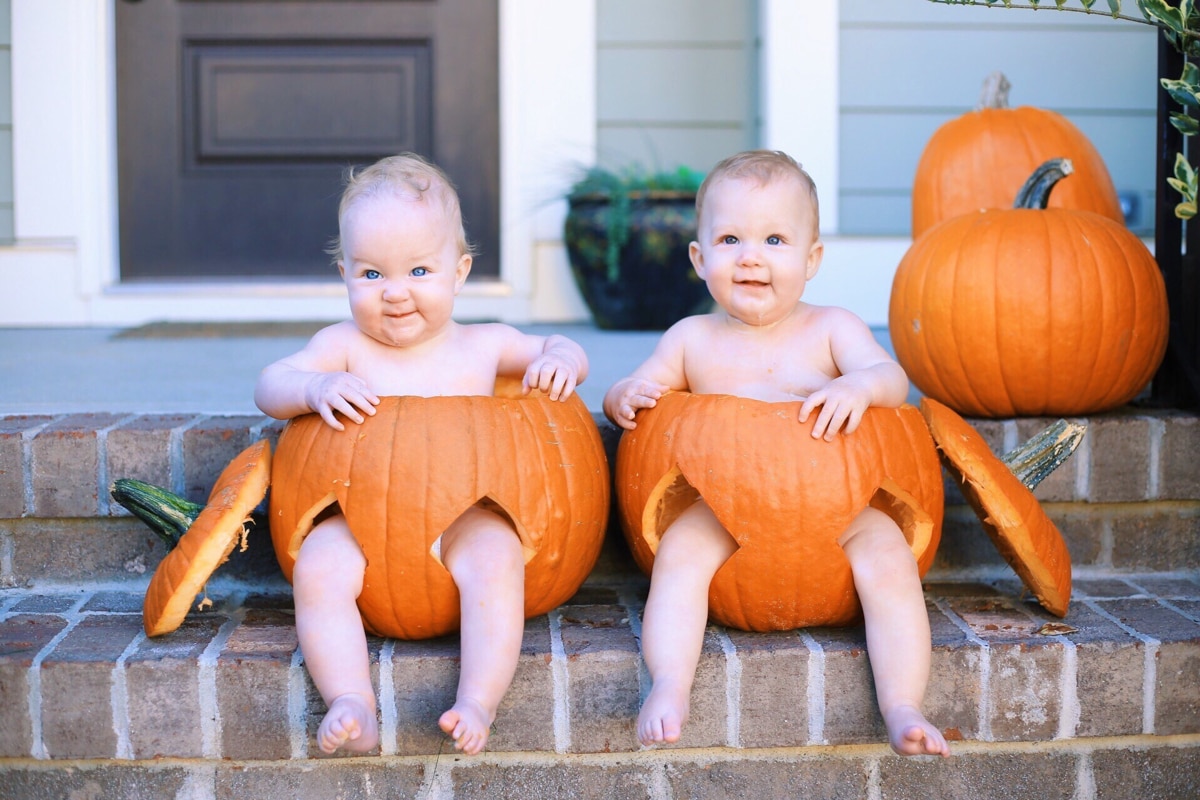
(395, 290)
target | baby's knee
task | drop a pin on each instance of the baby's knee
(329, 561)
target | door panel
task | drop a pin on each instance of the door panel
(237, 120)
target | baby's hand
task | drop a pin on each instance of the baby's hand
(340, 391)
(634, 395)
(554, 375)
(842, 404)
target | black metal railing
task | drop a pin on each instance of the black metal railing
(1177, 249)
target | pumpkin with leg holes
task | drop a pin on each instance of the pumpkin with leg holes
(980, 159)
(406, 473)
(784, 496)
(1029, 311)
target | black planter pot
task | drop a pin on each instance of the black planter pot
(651, 284)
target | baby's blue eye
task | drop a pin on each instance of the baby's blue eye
(729, 240)
(372, 274)
(774, 240)
(419, 271)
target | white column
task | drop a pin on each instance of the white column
(799, 90)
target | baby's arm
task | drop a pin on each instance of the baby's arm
(660, 373)
(554, 364)
(561, 366)
(315, 379)
(869, 377)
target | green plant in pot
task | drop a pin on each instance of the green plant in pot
(627, 235)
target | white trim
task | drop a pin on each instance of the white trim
(798, 91)
(63, 269)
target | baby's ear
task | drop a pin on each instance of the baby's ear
(462, 271)
(342, 270)
(815, 254)
(697, 257)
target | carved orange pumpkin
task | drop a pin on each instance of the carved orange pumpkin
(1030, 310)
(980, 159)
(784, 496)
(406, 473)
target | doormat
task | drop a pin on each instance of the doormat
(222, 330)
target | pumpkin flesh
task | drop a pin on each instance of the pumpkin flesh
(208, 541)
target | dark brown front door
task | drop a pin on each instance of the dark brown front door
(236, 121)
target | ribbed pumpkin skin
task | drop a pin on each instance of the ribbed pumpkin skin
(784, 496)
(981, 159)
(1027, 312)
(406, 473)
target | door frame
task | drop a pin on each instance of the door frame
(65, 175)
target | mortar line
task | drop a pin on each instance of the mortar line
(389, 715)
(1158, 429)
(210, 709)
(733, 690)
(635, 627)
(985, 668)
(874, 782)
(297, 707)
(1150, 665)
(103, 506)
(1010, 435)
(1085, 778)
(1162, 601)
(1069, 712)
(34, 677)
(1083, 473)
(816, 688)
(27, 437)
(120, 699)
(558, 672)
(175, 465)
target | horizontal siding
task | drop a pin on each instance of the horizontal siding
(907, 68)
(6, 135)
(690, 21)
(674, 81)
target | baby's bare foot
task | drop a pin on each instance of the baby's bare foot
(663, 714)
(913, 735)
(468, 724)
(349, 723)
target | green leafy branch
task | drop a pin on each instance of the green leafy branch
(1180, 26)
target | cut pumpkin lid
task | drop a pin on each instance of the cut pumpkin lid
(1013, 518)
(208, 541)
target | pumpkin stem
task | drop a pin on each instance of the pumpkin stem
(165, 513)
(1042, 454)
(995, 92)
(1035, 193)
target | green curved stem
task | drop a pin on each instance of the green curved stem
(165, 513)
(1042, 454)
(1035, 193)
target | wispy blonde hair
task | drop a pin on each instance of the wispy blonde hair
(406, 175)
(762, 166)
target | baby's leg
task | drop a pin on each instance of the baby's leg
(327, 579)
(898, 642)
(692, 549)
(483, 554)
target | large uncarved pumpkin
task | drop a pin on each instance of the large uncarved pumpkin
(1029, 311)
(980, 159)
(784, 496)
(406, 473)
